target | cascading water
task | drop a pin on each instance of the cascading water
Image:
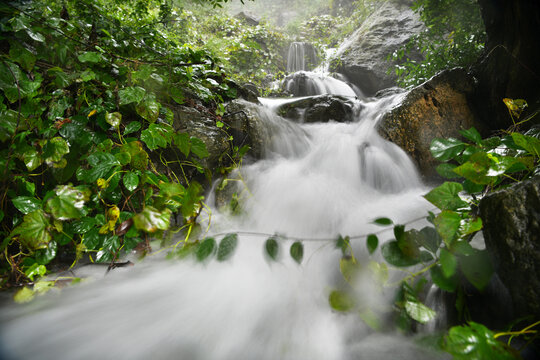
(301, 56)
(315, 182)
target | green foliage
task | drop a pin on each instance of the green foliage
(454, 36)
(85, 94)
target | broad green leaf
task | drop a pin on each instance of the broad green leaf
(394, 256)
(182, 141)
(191, 199)
(32, 159)
(152, 220)
(44, 256)
(446, 149)
(123, 157)
(177, 95)
(93, 239)
(297, 251)
(448, 263)
(84, 225)
(429, 238)
(89, 57)
(344, 243)
(131, 181)
(529, 143)
(447, 224)
(383, 221)
(198, 147)
(157, 135)
(33, 231)
(475, 341)
(35, 270)
(8, 123)
(55, 149)
(444, 283)
(67, 204)
(34, 35)
(477, 268)
(470, 226)
(148, 110)
(515, 106)
(26, 204)
(87, 75)
(349, 269)
(476, 169)
(271, 248)
(227, 246)
(130, 95)
(472, 134)
(341, 301)
(101, 164)
(205, 249)
(419, 312)
(132, 127)
(446, 170)
(21, 55)
(372, 242)
(446, 196)
(113, 119)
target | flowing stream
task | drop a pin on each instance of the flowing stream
(315, 182)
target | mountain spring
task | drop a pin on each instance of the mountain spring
(316, 181)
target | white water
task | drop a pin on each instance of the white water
(316, 181)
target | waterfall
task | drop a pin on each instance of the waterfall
(301, 56)
(315, 182)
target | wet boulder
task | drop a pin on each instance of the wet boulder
(321, 108)
(248, 18)
(364, 58)
(511, 220)
(439, 107)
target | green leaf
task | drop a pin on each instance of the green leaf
(470, 226)
(477, 268)
(198, 147)
(475, 341)
(447, 223)
(35, 270)
(529, 143)
(472, 134)
(113, 119)
(44, 256)
(446, 149)
(227, 246)
(26, 204)
(32, 159)
(123, 157)
(182, 141)
(448, 263)
(84, 225)
(131, 181)
(429, 238)
(89, 57)
(157, 135)
(297, 251)
(419, 312)
(271, 247)
(446, 170)
(101, 163)
(33, 232)
(24, 295)
(21, 55)
(130, 95)
(55, 149)
(205, 249)
(67, 204)
(177, 95)
(477, 168)
(152, 220)
(372, 242)
(132, 127)
(35, 35)
(341, 301)
(393, 255)
(148, 110)
(444, 283)
(383, 221)
(446, 196)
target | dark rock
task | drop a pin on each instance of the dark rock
(248, 18)
(364, 60)
(321, 108)
(394, 90)
(511, 220)
(438, 108)
(511, 66)
(245, 126)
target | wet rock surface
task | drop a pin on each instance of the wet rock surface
(438, 108)
(511, 220)
(364, 59)
(321, 108)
